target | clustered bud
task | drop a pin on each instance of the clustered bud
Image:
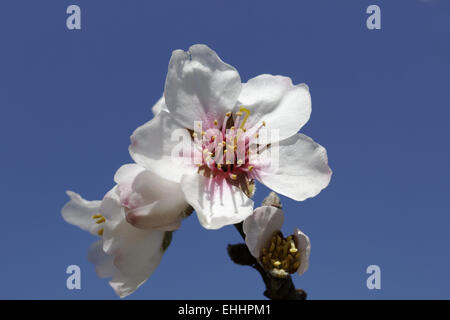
(281, 257)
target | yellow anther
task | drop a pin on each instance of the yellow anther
(225, 151)
(228, 161)
(101, 220)
(199, 164)
(194, 135)
(216, 122)
(272, 247)
(233, 176)
(100, 232)
(239, 113)
(203, 133)
(244, 129)
(228, 114)
(240, 161)
(232, 128)
(257, 135)
(247, 113)
(264, 123)
(213, 138)
(250, 168)
(97, 216)
(293, 249)
(277, 263)
(224, 143)
(219, 166)
(278, 240)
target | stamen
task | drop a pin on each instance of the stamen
(276, 257)
(100, 232)
(216, 122)
(101, 220)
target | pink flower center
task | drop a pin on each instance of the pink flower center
(227, 150)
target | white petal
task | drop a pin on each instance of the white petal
(200, 86)
(153, 147)
(79, 212)
(103, 263)
(301, 171)
(304, 246)
(277, 102)
(260, 227)
(136, 253)
(110, 206)
(159, 106)
(161, 215)
(216, 204)
(127, 173)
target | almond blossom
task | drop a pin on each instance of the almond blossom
(236, 128)
(132, 222)
(279, 255)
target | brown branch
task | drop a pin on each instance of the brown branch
(276, 288)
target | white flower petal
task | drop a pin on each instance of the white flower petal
(127, 173)
(104, 265)
(260, 227)
(216, 204)
(304, 246)
(200, 86)
(79, 212)
(277, 102)
(153, 147)
(302, 170)
(159, 106)
(137, 253)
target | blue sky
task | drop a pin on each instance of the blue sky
(71, 99)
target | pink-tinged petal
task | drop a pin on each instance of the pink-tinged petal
(296, 167)
(217, 203)
(155, 203)
(164, 214)
(200, 86)
(260, 227)
(124, 178)
(277, 102)
(79, 212)
(163, 146)
(304, 246)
